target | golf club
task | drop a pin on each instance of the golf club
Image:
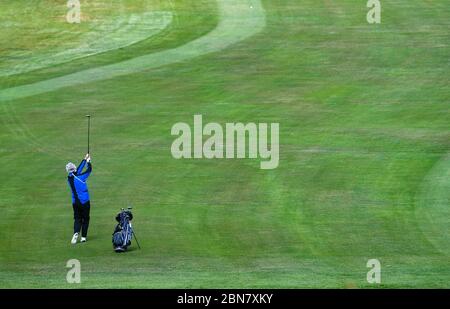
(89, 132)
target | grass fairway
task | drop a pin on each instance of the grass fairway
(364, 113)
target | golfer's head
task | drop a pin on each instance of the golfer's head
(71, 168)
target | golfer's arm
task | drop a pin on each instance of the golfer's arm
(86, 174)
(81, 167)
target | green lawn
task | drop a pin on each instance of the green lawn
(364, 113)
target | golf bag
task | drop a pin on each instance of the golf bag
(123, 233)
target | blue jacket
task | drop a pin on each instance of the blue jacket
(77, 183)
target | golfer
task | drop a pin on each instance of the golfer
(80, 197)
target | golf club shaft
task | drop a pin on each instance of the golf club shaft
(89, 133)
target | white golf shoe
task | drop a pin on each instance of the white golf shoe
(74, 239)
(83, 239)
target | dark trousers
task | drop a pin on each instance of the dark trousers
(81, 218)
